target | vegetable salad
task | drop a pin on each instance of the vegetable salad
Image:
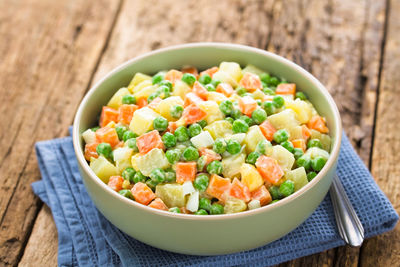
(224, 140)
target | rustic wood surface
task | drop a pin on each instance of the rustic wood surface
(53, 51)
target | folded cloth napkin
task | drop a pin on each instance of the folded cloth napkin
(86, 238)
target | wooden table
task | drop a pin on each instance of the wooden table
(51, 52)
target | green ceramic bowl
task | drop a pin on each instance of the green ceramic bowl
(217, 234)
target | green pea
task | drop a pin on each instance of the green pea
(164, 92)
(205, 204)
(304, 161)
(201, 212)
(301, 96)
(236, 114)
(233, 146)
(201, 182)
(274, 81)
(318, 163)
(215, 83)
(265, 77)
(94, 129)
(241, 90)
(176, 111)
(297, 152)
(311, 175)
(170, 176)
(166, 83)
(268, 91)
(216, 209)
(128, 174)
(190, 154)
(210, 87)
(269, 107)
(288, 145)
(219, 145)
(131, 143)
(169, 140)
(194, 129)
(139, 177)
(239, 126)
(202, 123)
(126, 193)
(152, 184)
(128, 99)
(229, 119)
(157, 175)
(262, 146)
(104, 149)
(226, 107)
(153, 96)
(248, 120)
(189, 78)
(274, 201)
(275, 193)
(173, 155)
(215, 167)
(181, 134)
(201, 163)
(158, 78)
(314, 143)
(281, 136)
(278, 101)
(128, 135)
(252, 157)
(120, 131)
(287, 188)
(175, 210)
(259, 115)
(160, 124)
(205, 78)
(259, 102)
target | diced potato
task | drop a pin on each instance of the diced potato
(252, 69)
(133, 161)
(283, 156)
(231, 165)
(140, 86)
(234, 98)
(324, 138)
(152, 160)
(116, 100)
(232, 68)
(122, 158)
(301, 108)
(234, 205)
(103, 168)
(258, 94)
(219, 129)
(193, 202)
(164, 107)
(295, 133)
(298, 177)
(171, 194)
(89, 136)
(138, 78)
(285, 119)
(238, 137)
(181, 89)
(217, 97)
(253, 136)
(146, 91)
(204, 139)
(142, 120)
(212, 110)
(254, 204)
(317, 152)
(250, 177)
(188, 188)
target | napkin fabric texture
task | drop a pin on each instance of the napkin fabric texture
(87, 238)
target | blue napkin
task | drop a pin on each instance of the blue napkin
(86, 238)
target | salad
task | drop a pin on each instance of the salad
(224, 140)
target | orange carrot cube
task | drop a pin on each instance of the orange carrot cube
(247, 105)
(141, 102)
(219, 187)
(192, 98)
(286, 89)
(108, 115)
(199, 90)
(191, 70)
(115, 183)
(210, 71)
(299, 143)
(269, 169)
(225, 88)
(142, 193)
(126, 113)
(318, 123)
(148, 141)
(185, 171)
(251, 82)
(239, 190)
(267, 130)
(193, 113)
(90, 151)
(107, 135)
(153, 104)
(158, 204)
(173, 76)
(262, 194)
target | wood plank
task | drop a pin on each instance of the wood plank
(47, 63)
(384, 250)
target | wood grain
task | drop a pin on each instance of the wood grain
(47, 63)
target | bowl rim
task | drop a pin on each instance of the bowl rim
(329, 164)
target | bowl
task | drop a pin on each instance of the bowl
(212, 234)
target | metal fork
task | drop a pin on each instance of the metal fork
(347, 221)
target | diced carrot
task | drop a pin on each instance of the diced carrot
(90, 151)
(172, 126)
(239, 190)
(305, 132)
(218, 187)
(210, 71)
(318, 123)
(141, 102)
(120, 144)
(192, 98)
(269, 169)
(185, 210)
(191, 70)
(199, 90)
(247, 105)
(115, 183)
(126, 113)
(142, 193)
(262, 194)
(153, 104)
(209, 155)
(173, 75)
(225, 88)
(185, 171)
(108, 115)
(148, 141)
(107, 135)
(193, 113)
(267, 130)
(299, 143)
(251, 82)
(158, 204)
(286, 89)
